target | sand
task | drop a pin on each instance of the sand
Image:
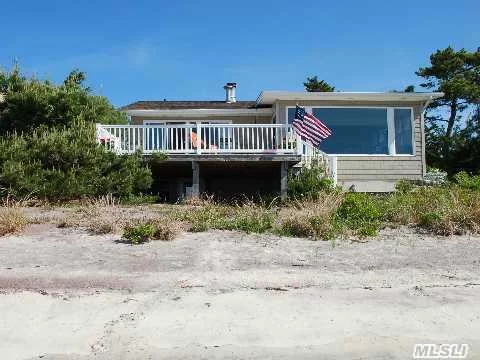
(67, 294)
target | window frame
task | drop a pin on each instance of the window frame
(390, 127)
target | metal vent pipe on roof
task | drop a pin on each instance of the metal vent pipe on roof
(230, 90)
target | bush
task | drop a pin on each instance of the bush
(68, 164)
(468, 181)
(139, 234)
(308, 183)
(151, 230)
(404, 186)
(361, 213)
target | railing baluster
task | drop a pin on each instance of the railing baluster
(176, 139)
(261, 139)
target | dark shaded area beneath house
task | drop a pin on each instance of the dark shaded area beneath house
(224, 180)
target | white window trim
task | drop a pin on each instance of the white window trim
(390, 127)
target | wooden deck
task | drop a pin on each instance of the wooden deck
(215, 142)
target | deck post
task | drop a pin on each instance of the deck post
(332, 164)
(195, 179)
(283, 180)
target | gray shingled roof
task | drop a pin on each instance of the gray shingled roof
(172, 105)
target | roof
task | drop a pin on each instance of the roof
(263, 105)
(181, 105)
(269, 97)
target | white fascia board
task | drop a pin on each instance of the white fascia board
(269, 97)
(200, 113)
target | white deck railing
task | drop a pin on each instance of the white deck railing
(201, 138)
(311, 155)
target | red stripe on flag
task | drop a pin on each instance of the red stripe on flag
(319, 124)
(314, 129)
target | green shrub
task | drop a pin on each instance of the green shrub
(308, 183)
(429, 219)
(361, 213)
(404, 186)
(67, 164)
(467, 181)
(139, 234)
(252, 221)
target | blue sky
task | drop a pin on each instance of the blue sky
(148, 50)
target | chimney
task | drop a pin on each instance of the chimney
(230, 92)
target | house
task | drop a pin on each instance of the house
(235, 147)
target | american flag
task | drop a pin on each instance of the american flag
(309, 127)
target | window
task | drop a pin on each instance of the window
(403, 131)
(291, 114)
(365, 131)
(355, 130)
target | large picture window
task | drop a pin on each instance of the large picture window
(364, 131)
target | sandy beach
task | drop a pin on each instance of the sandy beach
(67, 294)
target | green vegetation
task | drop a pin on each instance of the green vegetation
(360, 213)
(47, 142)
(139, 234)
(308, 183)
(466, 181)
(443, 210)
(65, 164)
(314, 85)
(453, 121)
(152, 230)
(30, 103)
(248, 217)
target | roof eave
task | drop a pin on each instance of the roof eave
(270, 97)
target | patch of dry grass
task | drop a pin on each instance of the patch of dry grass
(247, 216)
(199, 201)
(12, 220)
(313, 219)
(108, 217)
